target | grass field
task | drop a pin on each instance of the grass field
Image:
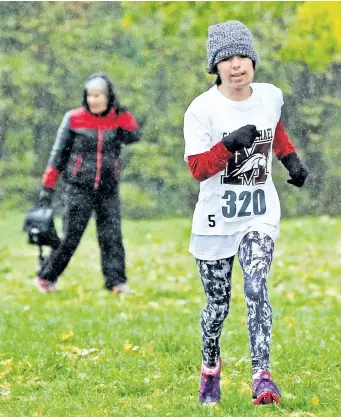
(84, 352)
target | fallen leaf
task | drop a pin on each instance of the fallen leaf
(315, 401)
(153, 304)
(241, 360)
(244, 387)
(296, 379)
(289, 320)
(225, 382)
(8, 364)
(127, 347)
(67, 335)
(5, 390)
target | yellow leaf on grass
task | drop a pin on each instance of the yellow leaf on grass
(80, 292)
(5, 372)
(290, 295)
(296, 379)
(8, 364)
(333, 292)
(289, 320)
(214, 406)
(5, 390)
(74, 350)
(315, 401)
(241, 361)
(153, 304)
(157, 392)
(127, 347)
(67, 335)
(86, 352)
(225, 382)
(244, 387)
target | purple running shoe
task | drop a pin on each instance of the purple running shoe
(264, 390)
(209, 392)
(43, 285)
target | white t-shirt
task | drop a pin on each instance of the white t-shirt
(242, 197)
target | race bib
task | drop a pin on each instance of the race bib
(237, 206)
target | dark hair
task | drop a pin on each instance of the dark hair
(113, 101)
(218, 79)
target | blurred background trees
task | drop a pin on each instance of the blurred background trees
(155, 53)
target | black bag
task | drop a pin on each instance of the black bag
(40, 227)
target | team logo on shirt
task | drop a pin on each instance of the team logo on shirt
(250, 166)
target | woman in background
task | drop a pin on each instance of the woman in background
(87, 150)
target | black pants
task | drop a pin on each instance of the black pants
(80, 204)
(255, 257)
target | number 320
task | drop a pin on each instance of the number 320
(258, 205)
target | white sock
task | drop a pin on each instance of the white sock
(209, 370)
(257, 374)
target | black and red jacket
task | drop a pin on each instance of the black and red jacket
(87, 148)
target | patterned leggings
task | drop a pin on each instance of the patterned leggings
(255, 257)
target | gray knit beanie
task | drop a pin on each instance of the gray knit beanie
(226, 40)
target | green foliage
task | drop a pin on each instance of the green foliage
(155, 53)
(315, 36)
(86, 352)
(136, 202)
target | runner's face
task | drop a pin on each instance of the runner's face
(236, 72)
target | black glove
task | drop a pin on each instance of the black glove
(297, 170)
(141, 122)
(241, 138)
(45, 196)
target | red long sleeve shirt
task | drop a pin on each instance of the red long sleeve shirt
(207, 164)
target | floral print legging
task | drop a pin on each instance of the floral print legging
(255, 256)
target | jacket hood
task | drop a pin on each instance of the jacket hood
(113, 101)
